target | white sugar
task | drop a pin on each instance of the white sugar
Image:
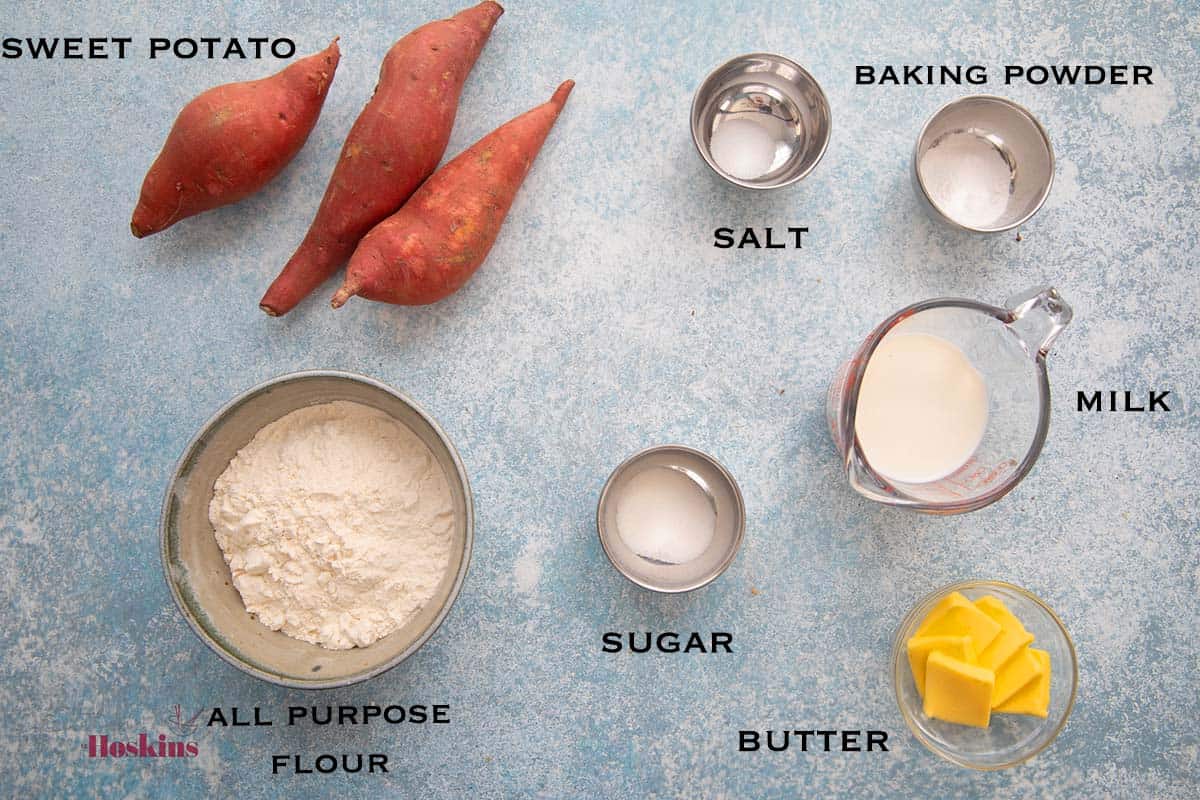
(665, 516)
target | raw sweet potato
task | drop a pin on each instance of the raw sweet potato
(231, 140)
(429, 248)
(396, 142)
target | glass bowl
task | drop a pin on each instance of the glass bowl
(1011, 738)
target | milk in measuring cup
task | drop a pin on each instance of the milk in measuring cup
(922, 408)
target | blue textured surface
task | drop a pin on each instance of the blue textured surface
(604, 321)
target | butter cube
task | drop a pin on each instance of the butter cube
(962, 620)
(952, 600)
(1034, 698)
(956, 691)
(1012, 638)
(919, 648)
(1016, 674)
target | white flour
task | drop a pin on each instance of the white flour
(336, 522)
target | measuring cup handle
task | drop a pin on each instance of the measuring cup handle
(1037, 316)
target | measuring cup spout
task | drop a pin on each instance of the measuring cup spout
(1037, 316)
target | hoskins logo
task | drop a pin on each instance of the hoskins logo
(147, 746)
(99, 746)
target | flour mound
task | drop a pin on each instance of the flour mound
(336, 522)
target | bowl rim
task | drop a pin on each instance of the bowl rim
(899, 653)
(1012, 105)
(704, 152)
(738, 534)
(185, 458)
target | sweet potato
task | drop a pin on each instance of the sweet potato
(396, 142)
(430, 247)
(231, 140)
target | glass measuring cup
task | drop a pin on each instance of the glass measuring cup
(1008, 347)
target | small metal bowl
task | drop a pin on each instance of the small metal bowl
(779, 96)
(711, 478)
(969, 148)
(199, 578)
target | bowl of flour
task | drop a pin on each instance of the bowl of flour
(317, 529)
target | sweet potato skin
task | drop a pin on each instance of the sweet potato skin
(231, 140)
(433, 245)
(394, 145)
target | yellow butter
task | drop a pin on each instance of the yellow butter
(956, 691)
(952, 600)
(919, 648)
(962, 620)
(1015, 675)
(1034, 698)
(1012, 638)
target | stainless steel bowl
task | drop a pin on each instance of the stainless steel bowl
(969, 147)
(722, 490)
(199, 578)
(779, 96)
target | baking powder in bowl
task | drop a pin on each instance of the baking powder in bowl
(336, 522)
